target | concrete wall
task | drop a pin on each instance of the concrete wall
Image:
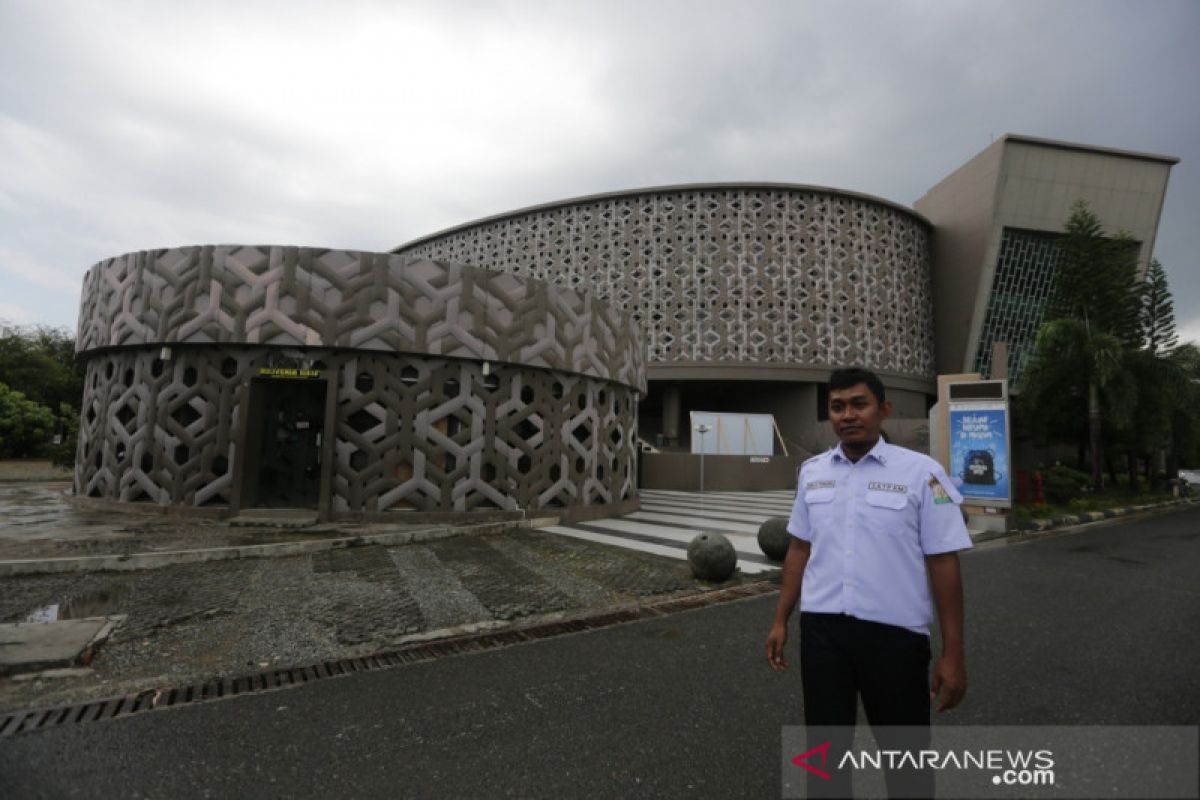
(446, 388)
(1027, 183)
(1041, 181)
(681, 472)
(729, 275)
(908, 405)
(910, 433)
(962, 209)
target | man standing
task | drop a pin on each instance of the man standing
(876, 530)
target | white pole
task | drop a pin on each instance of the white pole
(702, 429)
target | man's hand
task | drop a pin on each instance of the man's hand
(776, 640)
(789, 594)
(950, 672)
(949, 681)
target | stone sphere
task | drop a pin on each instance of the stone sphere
(711, 557)
(774, 539)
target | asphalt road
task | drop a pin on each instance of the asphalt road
(1101, 626)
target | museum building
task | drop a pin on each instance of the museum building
(750, 294)
(352, 383)
(552, 356)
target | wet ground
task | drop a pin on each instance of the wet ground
(38, 521)
(18, 470)
(192, 622)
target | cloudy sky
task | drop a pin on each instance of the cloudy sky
(136, 125)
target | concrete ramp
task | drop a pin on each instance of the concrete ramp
(35, 646)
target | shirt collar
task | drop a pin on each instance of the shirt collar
(879, 452)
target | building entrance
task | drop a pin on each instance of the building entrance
(283, 444)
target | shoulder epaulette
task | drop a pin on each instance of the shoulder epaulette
(811, 459)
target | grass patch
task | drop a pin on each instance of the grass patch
(1114, 497)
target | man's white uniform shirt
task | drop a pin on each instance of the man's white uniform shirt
(871, 524)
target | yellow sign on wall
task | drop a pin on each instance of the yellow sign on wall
(288, 372)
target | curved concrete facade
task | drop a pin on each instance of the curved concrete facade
(757, 280)
(353, 383)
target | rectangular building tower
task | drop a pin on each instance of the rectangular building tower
(997, 220)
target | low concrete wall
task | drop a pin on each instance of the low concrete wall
(267, 517)
(910, 433)
(681, 472)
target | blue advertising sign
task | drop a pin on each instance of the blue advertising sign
(979, 462)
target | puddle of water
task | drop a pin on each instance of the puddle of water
(92, 604)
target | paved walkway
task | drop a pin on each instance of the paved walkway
(38, 522)
(186, 622)
(40, 525)
(668, 521)
(1093, 629)
(192, 622)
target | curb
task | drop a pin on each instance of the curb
(421, 648)
(1068, 520)
(141, 561)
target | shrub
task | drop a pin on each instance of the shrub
(25, 426)
(1062, 484)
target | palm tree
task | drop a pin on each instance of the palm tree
(1068, 355)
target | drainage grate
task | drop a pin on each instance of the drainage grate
(272, 680)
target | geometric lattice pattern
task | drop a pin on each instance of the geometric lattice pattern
(456, 388)
(300, 296)
(1024, 282)
(413, 432)
(749, 273)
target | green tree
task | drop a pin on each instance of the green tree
(1093, 318)
(1110, 347)
(40, 363)
(1097, 280)
(1185, 422)
(1068, 356)
(25, 426)
(1152, 386)
(1157, 313)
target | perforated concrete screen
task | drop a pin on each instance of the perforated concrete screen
(350, 382)
(753, 274)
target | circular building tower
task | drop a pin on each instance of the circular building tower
(748, 294)
(353, 384)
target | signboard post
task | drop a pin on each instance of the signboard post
(980, 458)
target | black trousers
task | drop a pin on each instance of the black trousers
(842, 659)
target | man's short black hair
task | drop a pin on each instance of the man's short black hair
(852, 376)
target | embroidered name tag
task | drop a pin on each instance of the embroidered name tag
(819, 485)
(879, 486)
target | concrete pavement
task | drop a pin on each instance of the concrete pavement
(1097, 627)
(198, 605)
(324, 594)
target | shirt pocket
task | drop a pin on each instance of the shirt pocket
(887, 513)
(820, 508)
(816, 497)
(887, 501)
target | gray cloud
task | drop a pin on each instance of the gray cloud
(137, 125)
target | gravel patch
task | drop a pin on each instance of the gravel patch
(503, 586)
(560, 569)
(191, 623)
(443, 600)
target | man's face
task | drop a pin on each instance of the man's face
(857, 416)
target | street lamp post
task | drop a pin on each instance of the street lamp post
(702, 429)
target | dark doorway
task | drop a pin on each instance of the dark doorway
(283, 444)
